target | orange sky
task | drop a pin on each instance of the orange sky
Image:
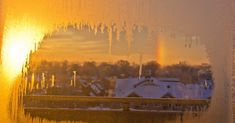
(166, 49)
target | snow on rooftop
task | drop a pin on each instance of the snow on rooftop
(159, 87)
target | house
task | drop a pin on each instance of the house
(150, 87)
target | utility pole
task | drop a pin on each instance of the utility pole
(140, 67)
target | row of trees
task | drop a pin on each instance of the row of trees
(121, 69)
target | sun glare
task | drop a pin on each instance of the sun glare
(160, 51)
(18, 40)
